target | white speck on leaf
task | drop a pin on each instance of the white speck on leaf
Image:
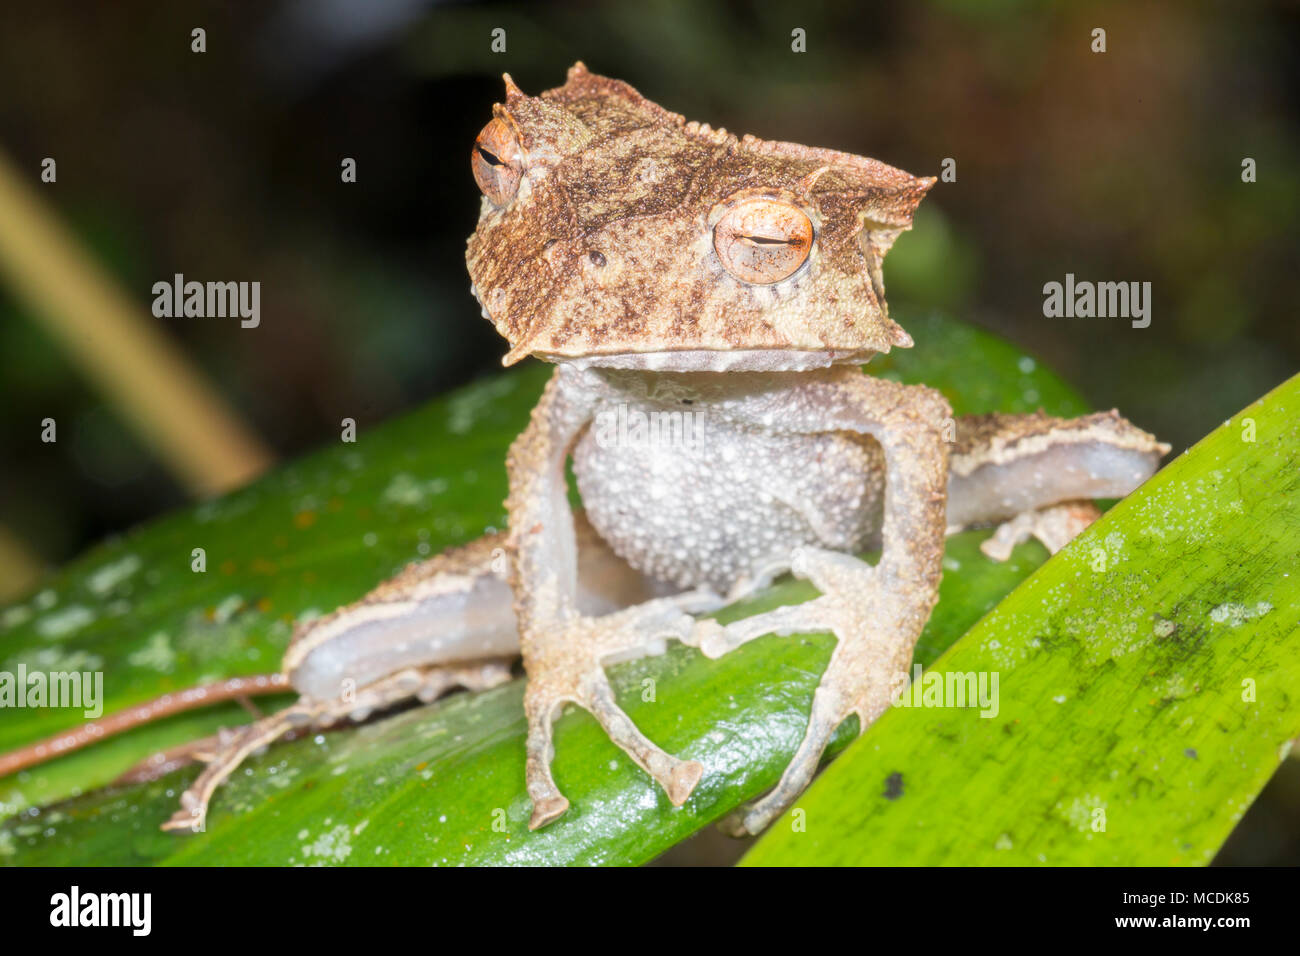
(334, 846)
(14, 616)
(228, 608)
(104, 579)
(157, 654)
(1235, 615)
(406, 491)
(65, 622)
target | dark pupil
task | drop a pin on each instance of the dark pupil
(488, 156)
(767, 241)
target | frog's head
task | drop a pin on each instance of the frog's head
(615, 233)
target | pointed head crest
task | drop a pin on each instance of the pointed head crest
(613, 231)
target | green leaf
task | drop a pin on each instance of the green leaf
(1148, 687)
(302, 541)
(439, 783)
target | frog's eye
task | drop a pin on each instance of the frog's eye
(497, 162)
(762, 241)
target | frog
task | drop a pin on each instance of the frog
(673, 272)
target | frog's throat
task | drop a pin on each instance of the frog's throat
(717, 360)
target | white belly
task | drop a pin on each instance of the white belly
(706, 501)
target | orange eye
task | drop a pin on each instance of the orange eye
(762, 241)
(497, 162)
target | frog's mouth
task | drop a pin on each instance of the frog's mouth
(718, 360)
(541, 342)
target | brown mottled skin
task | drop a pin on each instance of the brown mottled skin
(619, 180)
(670, 269)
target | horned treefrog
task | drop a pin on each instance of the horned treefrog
(670, 269)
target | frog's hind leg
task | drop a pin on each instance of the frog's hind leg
(1034, 475)
(233, 748)
(194, 801)
(442, 623)
(567, 666)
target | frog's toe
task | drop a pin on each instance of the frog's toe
(715, 640)
(1054, 526)
(829, 709)
(677, 777)
(568, 668)
(875, 633)
(592, 692)
(192, 815)
(546, 809)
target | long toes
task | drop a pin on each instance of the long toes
(753, 818)
(715, 640)
(682, 780)
(547, 809)
(642, 629)
(733, 824)
(677, 777)
(194, 801)
(711, 639)
(828, 711)
(577, 675)
(191, 820)
(699, 601)
(548, 803)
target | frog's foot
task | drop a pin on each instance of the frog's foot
(222, 763)
(160, 764)
(1055, 526)
(875, 625)
(566, 665)
(224, 753)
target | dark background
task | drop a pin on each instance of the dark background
(225, 166)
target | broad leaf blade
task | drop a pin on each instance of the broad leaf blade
(321, 533)
(301, 541)
(1148, 678)
(444, 784)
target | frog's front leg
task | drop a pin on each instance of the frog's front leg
(875, 612)
(564, 650)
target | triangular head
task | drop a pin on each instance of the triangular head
(616, 233)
